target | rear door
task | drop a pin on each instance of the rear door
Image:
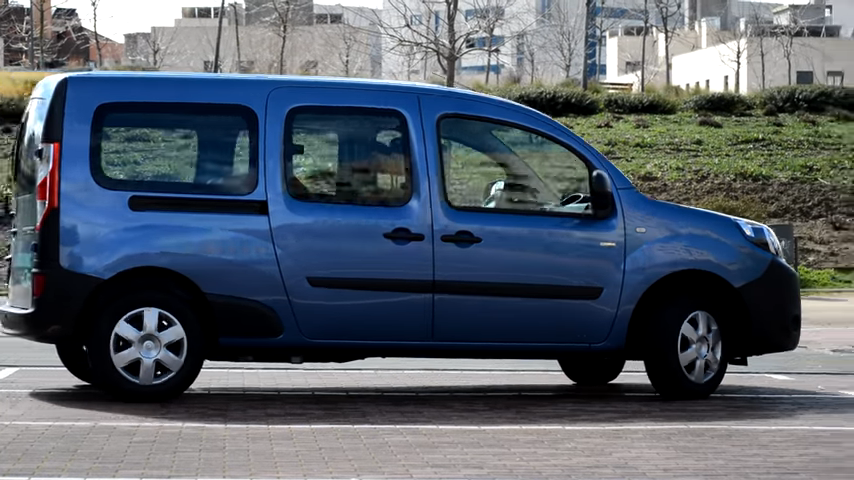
(350, 218)
(24, 177)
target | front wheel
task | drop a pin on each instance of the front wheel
(147, 347)
(595, 372)
(686, 355)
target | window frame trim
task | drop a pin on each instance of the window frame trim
(187, 108)
(286, 142)
(591, 167)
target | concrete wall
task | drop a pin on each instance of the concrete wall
(818, 55)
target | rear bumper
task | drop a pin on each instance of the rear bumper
(773, 304)
(53, 315)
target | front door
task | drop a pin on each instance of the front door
(519, 256)
(350, 219)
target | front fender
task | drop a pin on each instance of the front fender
(664, 238)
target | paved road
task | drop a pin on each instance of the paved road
(785, 416)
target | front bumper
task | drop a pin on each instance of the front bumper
(773, 304)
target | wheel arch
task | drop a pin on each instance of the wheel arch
(677, 283)
(139, 278)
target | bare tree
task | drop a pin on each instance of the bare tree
(785, 37)
(158, 43)
(565, 35)
(430, 26)
(487, 17)
(347, 45)
(529, 44)
(669, 12)
(95, 4)
(758, 28)
(732, 50)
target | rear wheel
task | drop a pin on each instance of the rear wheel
(147, 347)
(592, 372)
(75, 359)
(687, 347)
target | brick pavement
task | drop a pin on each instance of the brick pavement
(336, 424)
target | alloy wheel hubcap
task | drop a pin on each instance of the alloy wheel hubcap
(699, 347)
(148, 346)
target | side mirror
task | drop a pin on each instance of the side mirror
(602, 196)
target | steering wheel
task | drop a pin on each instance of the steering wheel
(572, 199)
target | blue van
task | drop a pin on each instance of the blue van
(167, 219)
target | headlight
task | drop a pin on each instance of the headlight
(760, 235)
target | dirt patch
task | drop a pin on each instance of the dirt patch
(822, 214)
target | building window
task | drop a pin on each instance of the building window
(416, 19)
(835, 78)
(348, 155)
(481, 42)
(209, 64)
(328, 18)
(632, 67)
(804, 77)
(175, 148)
(484, 13)
(726, 83)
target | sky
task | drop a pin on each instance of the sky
(118, 17)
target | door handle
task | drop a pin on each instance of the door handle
(462, 236)
(404, 235)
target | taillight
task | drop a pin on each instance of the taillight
(47, 189)
(38, 284)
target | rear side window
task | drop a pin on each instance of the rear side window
(348, 155)
(175, 148)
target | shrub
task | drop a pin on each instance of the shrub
(808, 98)
(709, 122)
(12, 108)
(641, 122)
(826, 278)
(552, 101)
(639, 103)
(719, 102)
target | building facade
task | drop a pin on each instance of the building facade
(264, 38)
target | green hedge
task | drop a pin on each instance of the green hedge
(639, 103)
(552, 101)
(727, 103)
(807, 98)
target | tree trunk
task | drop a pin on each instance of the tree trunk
(237, 39)
(667, 55)
(218, 38)
(643, 45)
(789, 68)
(282, 51)
(451, 70)
(41, 34)
(97, 37)
(762, 62)
(488, 61)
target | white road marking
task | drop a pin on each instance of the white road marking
(374, 371)
(257, 426)
(379, 392)
(7, 372)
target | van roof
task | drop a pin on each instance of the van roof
(295, 80)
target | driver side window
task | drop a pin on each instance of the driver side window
(490, 165)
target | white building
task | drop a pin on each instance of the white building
(320, 40)
(750, 46)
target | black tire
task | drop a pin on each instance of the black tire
(591, 372)
(75, 359)
(101, 342)
(664, 342)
